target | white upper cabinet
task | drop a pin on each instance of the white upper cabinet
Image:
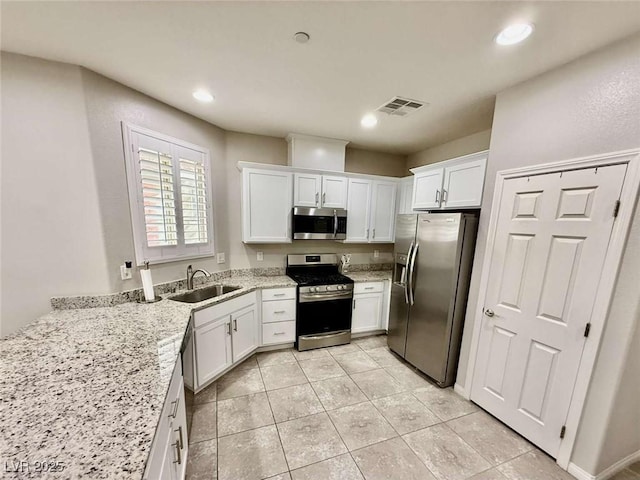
(267, 201)
(306, 190)
(319, 191)
(383, 209)
(405, 195)
(358, 210)
(427, 188)
(334, 191)
(463, 184)
(456, 183)
(371, 208)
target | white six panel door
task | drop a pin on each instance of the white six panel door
(551, 240)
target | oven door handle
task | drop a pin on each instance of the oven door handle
(335, 224)
(319, 297)
(326, 335)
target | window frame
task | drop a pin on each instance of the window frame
(169, 253)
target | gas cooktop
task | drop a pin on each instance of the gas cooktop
(317, 269)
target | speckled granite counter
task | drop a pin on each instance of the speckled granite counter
(371, 276)
(86, 386)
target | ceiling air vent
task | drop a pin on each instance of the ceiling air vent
(400, 106)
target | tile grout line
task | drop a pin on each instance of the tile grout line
(275, 424)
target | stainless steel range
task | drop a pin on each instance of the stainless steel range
(324, 305)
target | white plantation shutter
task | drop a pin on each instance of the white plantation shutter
(156, 176)
(194, 201)
(169, 196)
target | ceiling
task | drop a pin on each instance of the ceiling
(360, 55)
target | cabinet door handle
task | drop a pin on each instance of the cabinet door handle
(324, 198)
(445, 195)
(179, 460)
(317, 195)
(235, 325)
(179, 430)
(374, 233)
(437, 196)
(175, 408)
(367, 233)
(354, 304)
(229, 328)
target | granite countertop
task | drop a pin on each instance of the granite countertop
(371, 276)
(86, 386)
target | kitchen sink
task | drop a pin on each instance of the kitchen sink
(201, 294)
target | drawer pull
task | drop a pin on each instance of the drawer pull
(280, 311)
(279, 333)
(179, 460)
(179, 430)
(369, 288)
(279, 294)
(175, 408)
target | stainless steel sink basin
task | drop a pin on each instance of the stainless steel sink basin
(201, 294)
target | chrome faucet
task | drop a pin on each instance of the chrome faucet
(191, 274)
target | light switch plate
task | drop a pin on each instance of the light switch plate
(376, 254)
(220, 257)
(260, 256)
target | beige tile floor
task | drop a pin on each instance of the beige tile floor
(354, 412)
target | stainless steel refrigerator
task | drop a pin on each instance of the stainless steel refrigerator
(433, 255)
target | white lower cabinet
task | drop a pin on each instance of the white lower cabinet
(213, 349)
(244, 332)
(170, 448)
(278, 315)
(368, 307)
(223, 334)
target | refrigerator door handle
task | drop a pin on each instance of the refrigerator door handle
(411, 267)
(404, 278)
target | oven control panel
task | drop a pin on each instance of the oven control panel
(327, 288)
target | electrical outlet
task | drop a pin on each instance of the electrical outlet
(376, 254)
(220, 257)
(260, 256)
(125, 273)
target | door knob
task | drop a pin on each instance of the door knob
(489, 313)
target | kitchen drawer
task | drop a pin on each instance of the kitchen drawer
(278, 293)
(278, 311)
(368, 287)
(281, 332)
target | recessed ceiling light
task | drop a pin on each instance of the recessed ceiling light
(514, 34)
(301, 37)
(369, 120)
(203, 96)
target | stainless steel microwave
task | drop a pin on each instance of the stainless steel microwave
(319, 223)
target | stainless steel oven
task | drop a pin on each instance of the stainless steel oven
(323, 310)
(324, 316)
(319, 223)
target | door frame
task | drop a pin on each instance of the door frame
(606, 288)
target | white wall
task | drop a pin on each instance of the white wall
(586, 107)
(108, 104)
(456, 148)
(61, 126)
(52, 235)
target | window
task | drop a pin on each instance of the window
(169, 196)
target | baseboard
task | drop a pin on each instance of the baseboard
(460, 390)
(579, 473)
(608, 472)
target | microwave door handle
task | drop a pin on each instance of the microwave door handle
(335, 224)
